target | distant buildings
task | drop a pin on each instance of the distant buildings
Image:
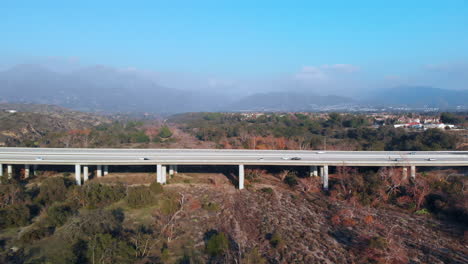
(417, 125)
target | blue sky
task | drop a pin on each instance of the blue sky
(238, 41)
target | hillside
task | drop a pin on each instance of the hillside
(34, 122)
(201, 217)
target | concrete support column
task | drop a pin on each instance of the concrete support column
(321, 172)
(1, 170)
(78, 174)
(413, 172)
(241, 176)
(325, 177)
(171, 170)
(85, 173)
(404, 173)
(176, 168)
(159, 173)
(164, 174)
(27, 170)
(99, 171)
(35, 170)
(10, 171)
(313, 171)
(106, 170)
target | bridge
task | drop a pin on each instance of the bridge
(166, 161)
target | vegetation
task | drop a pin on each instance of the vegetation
(217, 244)
(299, 131)
(140, 196)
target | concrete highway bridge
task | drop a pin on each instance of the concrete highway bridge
(166, 161)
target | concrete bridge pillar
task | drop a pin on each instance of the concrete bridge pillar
(404, 173)
(99, 171)
(176, 168)
(164, 174)
(106, 170)
(27, 170)
(78, 174)
(321, 172)
(85, 173)
(241, 176)
(159, 173)
(10, 171)
(413, 172)
(171, 170)
(313, 171)
(35, 170)
(1, 170)
(325, 177)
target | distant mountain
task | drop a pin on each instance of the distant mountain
(98, 88)
(287, 101)
(105, 89)
(419, 96)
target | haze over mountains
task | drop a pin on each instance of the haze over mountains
(101, 88)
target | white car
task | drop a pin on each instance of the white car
(142, 158)
(39, 158)
(285, 158)
(431, 159)
(320, 152)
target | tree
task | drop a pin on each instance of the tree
(217, 245)
(165, 132)
(449, 118)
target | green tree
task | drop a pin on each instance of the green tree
(217, 245)
(450, 118)
(165, 132)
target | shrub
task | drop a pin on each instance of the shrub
(36, 233)
(11, 194)
(423, 211)
(254, 257)
(14, 215)
(267, 190)
(58, 214)
(94, 195)
(165, 132)
(291, 180)
(169, 205)
(213, 207)
(108, 249)
(217, 245)
(140, 196)
(97, 221)
(156, 188)
(53, 189)
(275, 240)
(254, 174)
(140, 137)
(378, 242)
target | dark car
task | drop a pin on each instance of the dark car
(295, 158)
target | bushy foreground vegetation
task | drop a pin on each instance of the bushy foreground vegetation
(55, 221)
(443, 196)
(76, 221)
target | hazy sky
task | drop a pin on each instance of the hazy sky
(317, 45)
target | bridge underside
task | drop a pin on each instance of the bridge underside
(162, 172)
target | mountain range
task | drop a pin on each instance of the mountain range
(105, 89)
